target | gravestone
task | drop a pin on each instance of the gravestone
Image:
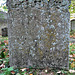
(4, 32)
(3, 20)
(72, 24)
(38, 33)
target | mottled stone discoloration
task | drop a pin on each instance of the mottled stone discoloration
(39, 33)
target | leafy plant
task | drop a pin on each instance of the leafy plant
(7, 71)
(2, 54)
(72, 7)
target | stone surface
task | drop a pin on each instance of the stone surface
(39, 33)
(3, 20)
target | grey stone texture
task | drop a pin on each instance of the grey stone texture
(3, 20)
(38, 33)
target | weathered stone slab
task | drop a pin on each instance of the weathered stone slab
(3, 20)
(72, 24)
(39, 33)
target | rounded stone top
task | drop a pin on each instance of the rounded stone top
(14, 3)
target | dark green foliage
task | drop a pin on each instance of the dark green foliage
(2, 54)
(7, 71)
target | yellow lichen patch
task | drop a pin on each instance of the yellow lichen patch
(64, 50)
(26, 51)
(51, 38)
(44, 25)
(40, 52)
